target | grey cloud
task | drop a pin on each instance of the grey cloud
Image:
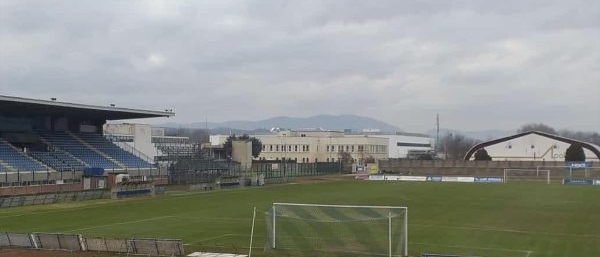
(478, 63)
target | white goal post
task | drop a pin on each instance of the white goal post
(350, 230)
(527, 175)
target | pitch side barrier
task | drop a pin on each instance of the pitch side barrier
(24, 200)
(581, 182)
(77, 242)
(459, 179)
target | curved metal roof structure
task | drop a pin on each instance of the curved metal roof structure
(18, 106)
(593, 148)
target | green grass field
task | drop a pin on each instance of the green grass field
(524, 220)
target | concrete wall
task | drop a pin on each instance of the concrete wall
(41, 189)
(242, 153)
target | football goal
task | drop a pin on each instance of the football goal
(295, 229)
(532, 175)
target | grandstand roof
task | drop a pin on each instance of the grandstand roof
(18, 106)
(593, 148)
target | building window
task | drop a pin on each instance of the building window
(277, 148)
(270, 148)
(296, 148)
(327, 159)
(307, 148)
(352, 148)
(327, 148)
(290, 148)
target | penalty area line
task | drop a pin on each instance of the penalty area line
(214, 237)
(528, 252)
(121, 223)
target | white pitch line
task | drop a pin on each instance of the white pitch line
(121, 223)
(506, 230)
(474, 247)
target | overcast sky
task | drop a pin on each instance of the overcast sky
(479, 64)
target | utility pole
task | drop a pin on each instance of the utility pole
(437, 136)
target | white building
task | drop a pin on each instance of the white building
(146, 141)
(532, 146)
(317, 146)
(408, 145)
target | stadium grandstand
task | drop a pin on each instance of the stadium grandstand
(47, 142)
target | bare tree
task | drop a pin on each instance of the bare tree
(456, 146)
(537, 127)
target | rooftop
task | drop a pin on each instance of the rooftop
(19, 106)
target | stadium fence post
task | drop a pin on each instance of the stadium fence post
(252, 231)
(274, 223)
(390, 233)
(406, 232)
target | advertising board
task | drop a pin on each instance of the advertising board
(412, 178)
(377, 177)
(434, 179)
(578, 165)
(578, 181)
(458, 179)
(489, 180)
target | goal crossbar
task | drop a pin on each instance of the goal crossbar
(343, 206)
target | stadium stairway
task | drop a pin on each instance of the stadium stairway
(86, 144)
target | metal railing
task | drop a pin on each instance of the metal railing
(77, 242)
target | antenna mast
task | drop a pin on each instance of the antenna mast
(437, 136)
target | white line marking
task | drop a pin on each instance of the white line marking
(473, 247)
(121, 223)
(506, 230)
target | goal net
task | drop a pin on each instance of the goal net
(526, 175)
(337, 230)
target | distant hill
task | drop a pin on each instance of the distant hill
(328, 122)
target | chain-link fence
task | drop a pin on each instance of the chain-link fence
(22, 240)
(157, 247)
(24, 200)
(101, 244)
(76, 242)
(57, 241)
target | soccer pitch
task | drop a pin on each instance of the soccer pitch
(523, 220)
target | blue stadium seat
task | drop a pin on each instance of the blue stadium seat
(17, 160)
(117, 153)
(71, 145)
